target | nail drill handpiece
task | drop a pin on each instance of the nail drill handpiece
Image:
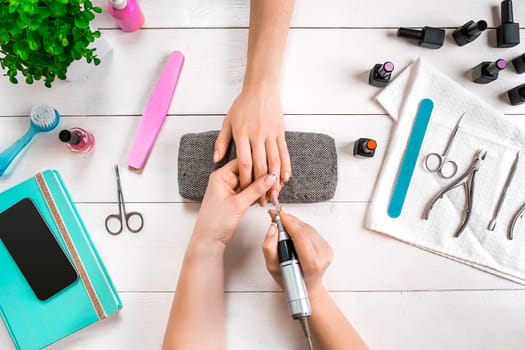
(293, 280)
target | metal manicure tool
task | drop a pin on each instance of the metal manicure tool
(510, 176)
(293, 280)
(518, 215)
(123, 216)
(439, 163)
(467, 181)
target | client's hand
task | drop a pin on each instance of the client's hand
(223, 205)
(313, 251)
(255, 121)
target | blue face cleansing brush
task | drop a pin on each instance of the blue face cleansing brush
(43, 119)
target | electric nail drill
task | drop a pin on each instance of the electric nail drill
(293, 280)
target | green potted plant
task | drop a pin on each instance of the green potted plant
(41, 38)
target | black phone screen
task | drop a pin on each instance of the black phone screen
(35, 250)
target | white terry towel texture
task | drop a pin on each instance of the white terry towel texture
(481, 128)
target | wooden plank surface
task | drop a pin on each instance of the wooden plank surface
(398, 296)
(387, 320)
(324, 73)
(326, 14)
(91, 177)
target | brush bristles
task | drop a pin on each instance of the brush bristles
(44, 117)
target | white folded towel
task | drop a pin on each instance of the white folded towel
(481, 128)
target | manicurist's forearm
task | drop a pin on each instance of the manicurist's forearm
(196, 319)
(330, 328)
(269, 24)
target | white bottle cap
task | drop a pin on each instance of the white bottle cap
(119, 4)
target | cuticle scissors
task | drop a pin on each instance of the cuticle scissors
(122, 215)
(441, 160)
(467, 181)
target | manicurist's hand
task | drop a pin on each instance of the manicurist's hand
(313, 251)
(223, 205)
(330, 328)
(255, 121)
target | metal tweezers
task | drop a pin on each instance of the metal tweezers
(467, 181)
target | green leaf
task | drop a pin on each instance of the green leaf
(20, 23)
(81, 23)
(33, 44)
(13, 6)
(57, 9)
(88, 16)
(28, 8)
(4, 35)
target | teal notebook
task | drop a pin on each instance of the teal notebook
(31, 322)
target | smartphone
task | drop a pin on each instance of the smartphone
(35, 250)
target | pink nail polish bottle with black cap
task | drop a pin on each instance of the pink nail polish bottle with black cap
(77, 139)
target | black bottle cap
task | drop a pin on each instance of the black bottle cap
(469, 32)
(517, 95)
(380, 74)
(519, 64)
(69, 137)
(428, 37)
(365, 147)
(508, 33)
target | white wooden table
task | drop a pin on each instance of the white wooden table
(397, 296)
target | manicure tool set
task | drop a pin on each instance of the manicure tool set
(447, 169)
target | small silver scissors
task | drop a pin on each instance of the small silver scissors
(467, 181)
(122, 214)
(435, 162)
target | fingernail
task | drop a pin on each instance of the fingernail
(274, 197)
(270, 178)
(272, 230)
(215, 156)
(286, 176)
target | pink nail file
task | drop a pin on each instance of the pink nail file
(155, 111)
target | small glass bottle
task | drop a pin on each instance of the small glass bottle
(127, 13)
(77, 139)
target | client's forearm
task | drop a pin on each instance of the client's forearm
(330, 328)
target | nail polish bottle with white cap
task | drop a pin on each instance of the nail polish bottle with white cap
(128, 14)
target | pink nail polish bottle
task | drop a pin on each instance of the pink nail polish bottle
(128, 14)
(77, 139)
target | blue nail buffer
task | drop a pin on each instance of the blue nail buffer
(409, 160)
